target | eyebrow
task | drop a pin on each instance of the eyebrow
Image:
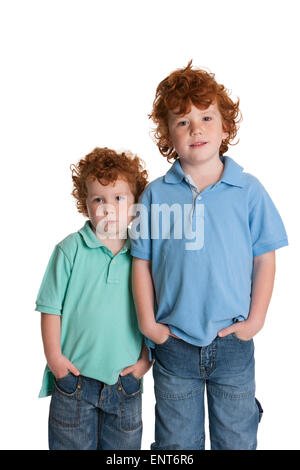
(181, 116)
(118, 193)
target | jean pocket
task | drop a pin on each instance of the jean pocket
(68, 384)
(136, 378)
(129, 385)
(65, 402)
(130, 402)
(241, 340)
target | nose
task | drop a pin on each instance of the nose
(107, 210)
(196, 128)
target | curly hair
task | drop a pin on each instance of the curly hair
(107, 166)
(178, 92)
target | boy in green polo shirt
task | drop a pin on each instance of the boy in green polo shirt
(95, 352)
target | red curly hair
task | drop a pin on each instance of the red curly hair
(107, 166)
(179, 91)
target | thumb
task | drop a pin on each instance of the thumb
(73, 369)
(227, 331)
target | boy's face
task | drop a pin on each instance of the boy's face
(108, 207)
(197, 136)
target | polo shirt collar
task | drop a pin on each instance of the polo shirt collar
(92, 241)
(232, 173)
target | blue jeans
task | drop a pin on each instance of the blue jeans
(86, 414)
(181, 371)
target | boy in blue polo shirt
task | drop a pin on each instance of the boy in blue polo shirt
(93, 347)
(203, 269)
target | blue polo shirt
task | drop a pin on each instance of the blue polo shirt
(202, 259)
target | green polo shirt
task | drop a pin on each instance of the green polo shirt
(90, 289)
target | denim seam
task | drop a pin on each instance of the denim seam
(200, 441)
(61, 378)
(109, 387)
(242, 340)
(100, 427)
(180, 396)
(230, 395)
(207, 368)
(122, 418)
(68, 425)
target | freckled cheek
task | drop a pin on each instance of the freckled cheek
(123, 212)
(97, 211)
(179, 140)
(175, 136)
(90, 210)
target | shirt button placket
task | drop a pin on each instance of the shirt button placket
(112, 271)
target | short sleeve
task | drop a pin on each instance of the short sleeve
(140, 231)
(54, 284)
(266, 226)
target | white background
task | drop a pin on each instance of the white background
(80, 74)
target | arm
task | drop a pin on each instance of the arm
(58, 364)
(262, 287)
(143, 294)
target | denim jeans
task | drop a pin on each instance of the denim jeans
(181, 372)
(86, 414)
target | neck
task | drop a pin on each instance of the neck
(204, 173)
(205, 168)
(115, 245)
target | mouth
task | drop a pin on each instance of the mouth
(198, 144)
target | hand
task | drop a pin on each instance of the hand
(159, 333)
(174, 336)
(139, 368)
(244, 330)
(60, 366)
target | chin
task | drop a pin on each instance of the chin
(196, 158)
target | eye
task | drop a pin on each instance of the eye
(207, 118)
(182, 123)
(98, 199)
(119, 198)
